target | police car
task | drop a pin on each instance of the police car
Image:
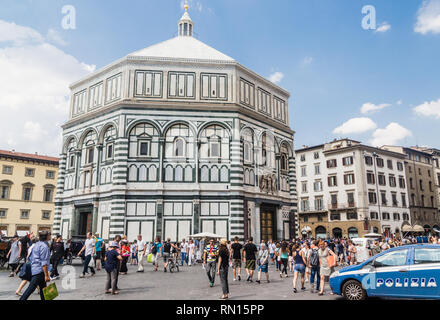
(410, 271)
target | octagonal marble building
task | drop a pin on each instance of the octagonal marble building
(175, 139)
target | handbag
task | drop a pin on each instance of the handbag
(331, 260)
(150, 258)
(92, 263)
(25, 272)
(50, 292)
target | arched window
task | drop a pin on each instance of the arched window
(352, 232)
(337, 233)
(248, 146)
(179, 141)
(284, 158)
(108, 143)
(71, 157)
(267, 150)
(214, 142)
(143, 141)
(89, 147)
(179, 147)
(321, 232)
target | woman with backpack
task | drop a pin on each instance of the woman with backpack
(325, 267)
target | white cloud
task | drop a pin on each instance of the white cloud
(383, 27)
(307, 61)
(355, 125)
(429, 109)
(34, 90)
(399, 102)
(55, 37)
(391, 135)
(428, 17)
(276, 77)
(370, 107)
(17, 35)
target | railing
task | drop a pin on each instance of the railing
(338, 206)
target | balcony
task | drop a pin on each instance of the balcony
(341, 206)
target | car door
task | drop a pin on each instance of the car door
(424, 273)
(390, 268)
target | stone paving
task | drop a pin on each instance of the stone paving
(191, 283)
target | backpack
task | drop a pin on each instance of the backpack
(314, 258)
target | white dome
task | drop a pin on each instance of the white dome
(182, 48)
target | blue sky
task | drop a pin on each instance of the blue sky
(323, 56)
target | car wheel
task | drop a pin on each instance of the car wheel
(352, 290)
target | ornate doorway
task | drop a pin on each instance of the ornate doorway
(268, 223)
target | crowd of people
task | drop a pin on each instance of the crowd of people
(36, 260)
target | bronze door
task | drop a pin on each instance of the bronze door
(267, 225)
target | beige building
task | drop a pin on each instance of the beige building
(27, 192)
(422, 187)
(347, 189)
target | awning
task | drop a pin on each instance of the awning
(418, 228)
(306, 229)
(22, 233)
(407, 228)
(372, 235)
(205, 235)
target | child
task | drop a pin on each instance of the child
(134, 259)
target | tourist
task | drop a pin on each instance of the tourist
(250, 250)
(156, 251)
(223, 266)
(263, 263)
(278, 256)
(313, 263)
(57, 249)
(325, 268)
(99, 242)
(89, 252)
(284, 257)
(14, 254)
(300, 267)
(39, 259)
(140, 253)
(125, 253)
(167, 253)
(236, 254)
(191, 251)
(112, 259)
(272, 248)
(183, 252)
(306, 250)
(352, 252)
(210, 261)
(134, 252)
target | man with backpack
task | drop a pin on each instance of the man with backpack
(313, 260)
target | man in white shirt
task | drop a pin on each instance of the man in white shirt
(272, 248)
(183, 252)
(141, 253)
(191, 251)
(89, 252)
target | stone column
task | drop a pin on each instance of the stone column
(257, 223)
(161, 156)
(78, 164)
(98, 165)
(159, 213)
(75, 221)
(196, 216)
(95, 217)
(59, 192)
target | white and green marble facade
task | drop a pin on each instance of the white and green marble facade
(205, 123)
